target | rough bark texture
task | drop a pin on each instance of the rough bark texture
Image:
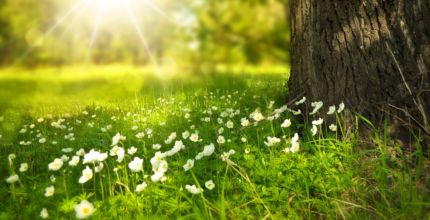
(343, 51)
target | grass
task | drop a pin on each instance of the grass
(329, 177)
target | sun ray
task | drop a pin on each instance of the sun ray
(93, 35)
(74, 19)
(142, 38)
(50, 30)
(148, 2)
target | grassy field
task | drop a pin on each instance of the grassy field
(208, 165)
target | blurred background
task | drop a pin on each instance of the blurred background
(198, 36)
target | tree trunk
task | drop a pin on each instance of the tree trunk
(373, 55)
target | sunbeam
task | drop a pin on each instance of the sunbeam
(93, 35)
(142, 38)
(148, 2)
(74, 19)
(50, 30)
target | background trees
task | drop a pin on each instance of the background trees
(192, 33)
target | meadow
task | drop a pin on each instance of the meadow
(117, 143)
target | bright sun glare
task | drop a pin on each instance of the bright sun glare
(95, 11)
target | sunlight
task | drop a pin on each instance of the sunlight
(93, 36)
(74, 19)
(142, 38)
(40, 40)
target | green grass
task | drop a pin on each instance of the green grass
(329, 177)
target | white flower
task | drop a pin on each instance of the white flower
(91, 157)
(207, 119)
(32, 126)
(141, 187)
(52, 178)
(12, 178)
(287, 150)
(224, 114)
(158, 157)
(295, 147)
(317, 106)
(122, 138)
(24, 167)
(192, 127)
(115, 139)
(317, 122)
(244, 122)
(87, 174)
(193, 189)
(243, 139)
(314, 130)
(272, 140)
(90, 124)
(49, 191)
(157, 176)
(189, 164)
(132, 150)
(65, 158)
(258, 116)
(118, 151)
(84, 209)
(286, 123)
(109, 127)
(156, 146)
(56, 165)
(134, 128)
(333, 127)
(178, 146)
(295, 138)
(162, 123)
(194, 137)
(210, 184)
(219, 120)
(102, 157)
(103, 129)
(40, 119)
(331, 110)
(136, 165)
(301, 101)
(74, 161)
(140, 135)
(221, 139)
(297, 112)
(11, 156)
(229, 124)
(168, 141)
(185, 134)
(199, 156)
(187, 115)
(172, 135)
(209, 149)
(44, 213)
(161, 166)
(247, 150)
(80, 152)
(341, 107)
(67, 150)
(220, 130)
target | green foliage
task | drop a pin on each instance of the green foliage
(327, 178)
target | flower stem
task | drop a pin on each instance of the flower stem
(101, 185)
(64, 184)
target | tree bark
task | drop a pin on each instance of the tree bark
(373, 55)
